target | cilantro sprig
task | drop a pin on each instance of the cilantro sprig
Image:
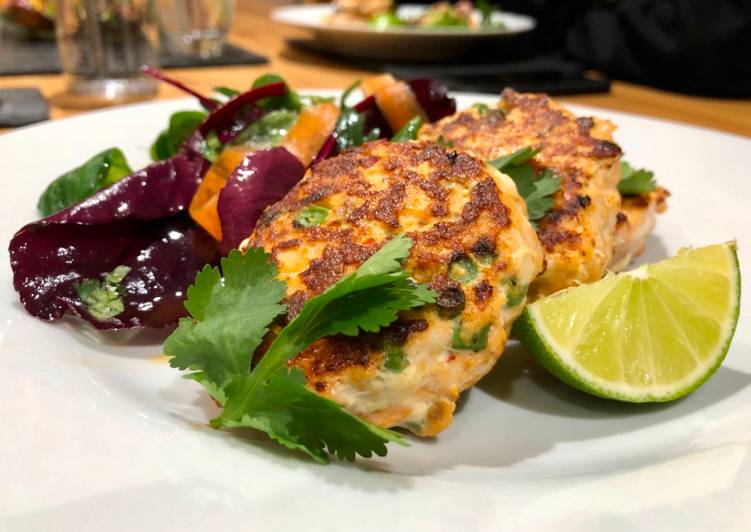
(537, 189)
(231, 312)
(635, 181)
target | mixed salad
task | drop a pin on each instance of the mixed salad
(383, 15)
(119, 248)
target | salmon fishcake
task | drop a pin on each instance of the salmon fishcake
(472, 243)
(577, 232)
(636, 221)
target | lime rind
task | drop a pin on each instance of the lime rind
(559, 361)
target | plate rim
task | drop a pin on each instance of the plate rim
(281, 16)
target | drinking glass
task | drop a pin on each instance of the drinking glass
(196, 27)
(103, 44)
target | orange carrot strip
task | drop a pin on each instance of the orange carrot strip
(375, 83)
(314, 125)
(203, 206)
(398, 104)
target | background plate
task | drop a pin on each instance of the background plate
(398, 44)
(100, 434)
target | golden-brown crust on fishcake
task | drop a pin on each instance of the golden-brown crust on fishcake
(455, 208)
(577, 233)
(380, 206)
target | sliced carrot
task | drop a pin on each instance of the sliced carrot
(375, 83)
(304, 140)
(203, 206)
(314, 125)
(398, 104)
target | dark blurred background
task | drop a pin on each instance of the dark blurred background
(692, 46)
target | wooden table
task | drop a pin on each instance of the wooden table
(254, 30)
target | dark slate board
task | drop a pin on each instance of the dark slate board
(40, 57)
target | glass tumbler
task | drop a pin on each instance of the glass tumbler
(103, 45)
(196, 28)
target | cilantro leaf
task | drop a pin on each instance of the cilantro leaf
(635, 181)
(214, 390)
(228, 319)
(104, 299)
(299, 419)
(536, 189)
(367, 299)
(513, 159)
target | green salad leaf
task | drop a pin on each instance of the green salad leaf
(347, 93)
(230, 315)
(289, 100)
(409, 130)
(212, 147)
(349, 130)
(102, 170)
(384, 21)
(181, 125)
(635, 181)
(442, 15)
(537, 189)
(312, 99)
(486, 11)
(268, 130)
(227, 92)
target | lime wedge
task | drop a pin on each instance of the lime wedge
(653, 334)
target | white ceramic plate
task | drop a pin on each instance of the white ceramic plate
(98, 434)
(416, 44)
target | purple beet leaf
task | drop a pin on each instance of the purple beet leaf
(433, 97)
(137, 224)
(263, 178)
(125, 256)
